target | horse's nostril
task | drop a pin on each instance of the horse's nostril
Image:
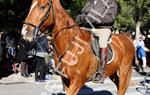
(28, 33)
(28, 30)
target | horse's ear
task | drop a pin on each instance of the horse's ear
(42, 1)
(33, 1)
(46, 1)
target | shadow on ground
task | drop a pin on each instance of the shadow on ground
(89, 91)
(5, 73)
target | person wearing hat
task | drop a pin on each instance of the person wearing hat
(99, 15)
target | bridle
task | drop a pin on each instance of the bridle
(38, 28)
(36, 32)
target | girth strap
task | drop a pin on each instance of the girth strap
(56, 70)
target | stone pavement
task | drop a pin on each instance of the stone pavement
(17, 85)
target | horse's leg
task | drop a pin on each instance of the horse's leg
(115, 79)
(66, 84)
(74, 87)
(125, 71)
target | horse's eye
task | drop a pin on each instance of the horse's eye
(42, 7)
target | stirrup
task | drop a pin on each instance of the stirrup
(98, 77)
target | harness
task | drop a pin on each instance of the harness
(38, 28)
(37, 31)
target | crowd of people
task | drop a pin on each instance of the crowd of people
(19, 55)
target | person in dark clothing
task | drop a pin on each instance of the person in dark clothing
(22, 56)
(42, 51)
(1, 53)
(100, 16)
(11, 52)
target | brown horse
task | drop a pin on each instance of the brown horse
(73, 52)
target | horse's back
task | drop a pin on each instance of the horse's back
(124, 42)
(123, 49)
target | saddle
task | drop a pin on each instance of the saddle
(95, 48)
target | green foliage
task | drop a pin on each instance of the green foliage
(74, 6)
(146, 20)
(12, 12)
(130, 12)
(80, 3)
(124, 19)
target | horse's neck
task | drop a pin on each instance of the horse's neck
(62, 34)
(62, 19)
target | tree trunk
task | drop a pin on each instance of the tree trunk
(138, 24)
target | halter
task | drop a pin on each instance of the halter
(37, 28)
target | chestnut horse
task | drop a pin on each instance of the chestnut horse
(72, 45)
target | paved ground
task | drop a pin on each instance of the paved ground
(17, 85)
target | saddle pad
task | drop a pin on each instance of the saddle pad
(95, 47)
(110, 54)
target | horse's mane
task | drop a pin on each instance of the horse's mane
(63, 12)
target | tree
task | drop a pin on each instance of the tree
(132, 13)
(12, 13)
(140, 13)
(73, 6)
(124, 20)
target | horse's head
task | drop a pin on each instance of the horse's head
(38, 19)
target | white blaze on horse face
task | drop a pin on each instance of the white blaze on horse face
(33, 5)
(23, 31)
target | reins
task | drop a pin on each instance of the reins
(37, 28)
(62, 55)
